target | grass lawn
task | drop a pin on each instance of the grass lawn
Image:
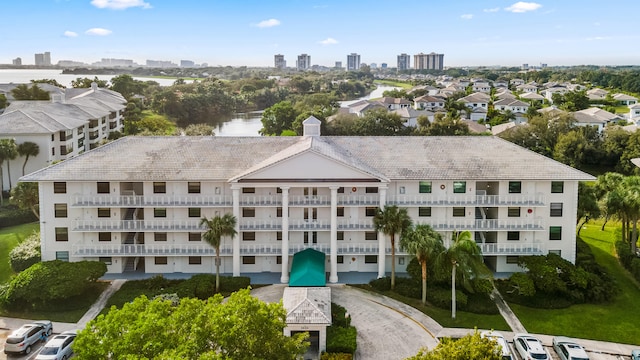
(443, 316)
(9, 238)
(616, 321)
(400, 84)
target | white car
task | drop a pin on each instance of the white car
(22, 339)
(568, 349)
(59, 347)
(530, 348)
(502, 342)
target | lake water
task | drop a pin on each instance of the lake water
(240, 124)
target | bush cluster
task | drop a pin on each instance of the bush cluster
(628, 259)
(50, 284)
(26, 253)
(552, 282)
(341, 336)
(12, 216)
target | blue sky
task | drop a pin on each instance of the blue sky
(250, 32)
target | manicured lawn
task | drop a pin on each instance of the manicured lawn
(616, 321)
(9, 238)
(400, 84)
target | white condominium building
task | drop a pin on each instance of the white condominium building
(136, 203)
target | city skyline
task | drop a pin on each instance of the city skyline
(226, 33)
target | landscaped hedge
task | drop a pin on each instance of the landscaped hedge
(442, 298)
(11, 216)
(628, 259)
(336, 356)
(341, 339)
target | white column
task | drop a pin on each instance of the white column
(382, 242)
(236, 239)
(333, 257)
(284, 278)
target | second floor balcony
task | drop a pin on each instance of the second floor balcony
(126, 201)
(468, 200)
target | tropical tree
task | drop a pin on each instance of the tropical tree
(27, 149)
(465, 254)
(241, 328)
(631, 206)
(8, 152)
(25, 196)
(391, 221)
(426, 244)
(469, 347)
(216, 228)
(587, 205)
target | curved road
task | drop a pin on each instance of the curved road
(382, 323)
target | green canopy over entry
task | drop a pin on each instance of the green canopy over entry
(307, 269)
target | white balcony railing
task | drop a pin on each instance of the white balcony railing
(452, 224)
(468, 200)
(191, 200)
(513, 249)
(203, 249)
(358, 200)
(136, 225)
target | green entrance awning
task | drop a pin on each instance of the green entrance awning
(307, 269)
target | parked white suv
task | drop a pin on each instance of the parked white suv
(530, 348)
(22, 339)
(59, 347)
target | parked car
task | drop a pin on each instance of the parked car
(59, 347)
(530, 348)
(568, 349)
(22, 339)
(635, 355)
(502, 342)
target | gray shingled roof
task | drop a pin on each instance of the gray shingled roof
(224, 158)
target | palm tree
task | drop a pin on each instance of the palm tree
(391, 221)
(631, 206)
(216, 228)
(7, 152)
(27, 149)
(426, 244)
(465, 254)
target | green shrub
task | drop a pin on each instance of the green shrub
(234, 283)
(26, 253)
(624, 253)
(339, 316)
(381, 284)
(336, 356)
(341, 340)
(48, 284)
(12, 216)
(481, 304)
(408, 287)
(442, 298)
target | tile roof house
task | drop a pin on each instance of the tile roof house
(594, 117)
(68, 125)
(427, 102)
(294, 193)
(625, 99)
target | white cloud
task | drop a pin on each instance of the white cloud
(491, 10)
(467, 16)
(98, 32)
(522, 6)
(120, 4)
(268, 23)
(595, 38)
(70, 34)
(328, 41)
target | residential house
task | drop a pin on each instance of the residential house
(516, 82)
(428, 102)
(624, 99)
(478, 103)
(594, 117)
(394, 103)
(634, 113)
(531, 97)
(410, 115)
(483, 87)
(527, 88)
(291, 193)
(517, 107)
(597, 94)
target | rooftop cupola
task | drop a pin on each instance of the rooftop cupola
(311, 126)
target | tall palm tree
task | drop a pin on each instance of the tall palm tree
(216, 228)
(27, 149)
(426, 244)
(631, 206)
(465, 254)
(8, 152)
(391, 221)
